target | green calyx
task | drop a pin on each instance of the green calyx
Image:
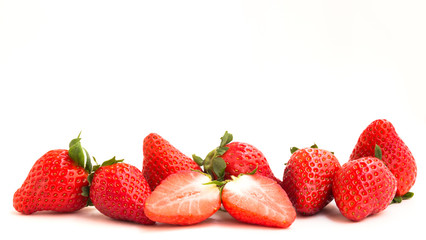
(378, 152)
(97, 166)
(399, 199)
(213, 164)
(106, 163)
(86, 189)
(79, 154)
(294, 149)
(221, 183)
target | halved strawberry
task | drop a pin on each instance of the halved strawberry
(257, 199)
(183, 198)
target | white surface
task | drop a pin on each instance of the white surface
(275, 74)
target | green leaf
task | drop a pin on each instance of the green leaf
(198, 160)
(76, 152)
(408, 195)
(90, 177)
(85, 191)
(378, 152)
(293, 150)
(254, 171)
(216, 182)
(88, 166)
(89, 202)
(221, 150)
(227, 138)
(219, 166)
(314, 146)
(397, 199)
(94, 159)
(95, 167)
(111, 162)
(75, 140)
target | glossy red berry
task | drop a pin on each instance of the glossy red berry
(395, 153)
(363, 187)
(119, 191)
(162, 159)
(308, 178)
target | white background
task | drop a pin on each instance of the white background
(274, 73)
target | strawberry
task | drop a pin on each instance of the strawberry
(161, 159)
(363, 187)
(308, 178)
(119, 190)
(396, 154)
(56, 181)
(257, 199)
(239, 158)
(183, 198)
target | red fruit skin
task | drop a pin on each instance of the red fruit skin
(395, 153)
(119, 191)
(243, 158)
(161, 159)
(308, 179)
(363, 187)
(54, 183)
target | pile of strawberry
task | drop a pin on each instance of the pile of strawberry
(175, 189)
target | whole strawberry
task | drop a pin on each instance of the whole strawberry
(161, 159)
(363, 187)
(395, 153)
(238, 158)
(308, 178)
(119, 190)
(56, 181)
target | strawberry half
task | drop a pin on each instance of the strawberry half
(257, 199)
(183, 198)
(161, 159)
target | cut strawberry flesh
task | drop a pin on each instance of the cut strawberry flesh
(183, 198)
(258, 200)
